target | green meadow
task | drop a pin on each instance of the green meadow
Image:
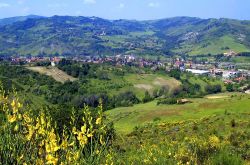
(127, 118)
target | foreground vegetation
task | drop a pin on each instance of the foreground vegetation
(216, 140)
(217, 137)
(53, 122)
(27, 138)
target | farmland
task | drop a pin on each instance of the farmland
(54, 72)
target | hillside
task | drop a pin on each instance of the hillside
(54, 72)
(66, 35)
(11, 20)
(127, 118)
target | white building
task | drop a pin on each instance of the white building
(198, 72)
(229, 74)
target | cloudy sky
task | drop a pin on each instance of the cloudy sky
(128, 9)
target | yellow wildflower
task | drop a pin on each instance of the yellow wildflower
(98, 120)
(90, 135)
(31, 131)
(74, 131)
(51, 145)
(101, 140)
(82, 138)
(64, 144)
(214, 141)
(51, 159)
(83, 129)
(12, 118)
(19, 105)
(16, 128)
(13, 103)
(76, 156)
(27, 119)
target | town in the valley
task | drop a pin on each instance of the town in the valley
(229, 72)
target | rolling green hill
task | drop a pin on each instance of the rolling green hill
(66, 35)
(127, 118)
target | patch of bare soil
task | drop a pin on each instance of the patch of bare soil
(144, 86)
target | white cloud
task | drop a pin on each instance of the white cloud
(153, 4)
(3, 5)
(89, 1)
(121, 5)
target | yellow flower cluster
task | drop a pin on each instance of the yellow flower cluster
(41, 142)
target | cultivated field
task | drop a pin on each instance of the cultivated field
(150, 82)
(54, 72)
(127, 118)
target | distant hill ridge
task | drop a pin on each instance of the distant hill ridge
(10, 20)
(70, 35)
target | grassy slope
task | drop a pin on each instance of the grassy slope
(149, 82)
(132, 82)
(54, 72)
(169, 142)
(127, 118)
(241, 59)
(138, 83)
(214, 46)
(203, 82)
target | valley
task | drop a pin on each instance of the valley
(89, 90)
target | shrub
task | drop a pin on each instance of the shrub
(230, 87)
(147, 97)
(28, 139)
(176, 73)
(167, 101)
(213, 88)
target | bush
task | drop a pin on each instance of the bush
(147, 97)
(167, 101)
(175, 73)
(210, 89)
(125, 99)
(230, 87)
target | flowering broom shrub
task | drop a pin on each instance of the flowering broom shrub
(213, 141)
(28, 139)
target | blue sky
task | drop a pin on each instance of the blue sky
(128, 9)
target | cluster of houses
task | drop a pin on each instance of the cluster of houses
(227, 71)
(121, 60)
(28, 60)
(224, 70)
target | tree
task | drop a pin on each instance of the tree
(230, 87)
(176, 73)
(213, 88)
(147, 97)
